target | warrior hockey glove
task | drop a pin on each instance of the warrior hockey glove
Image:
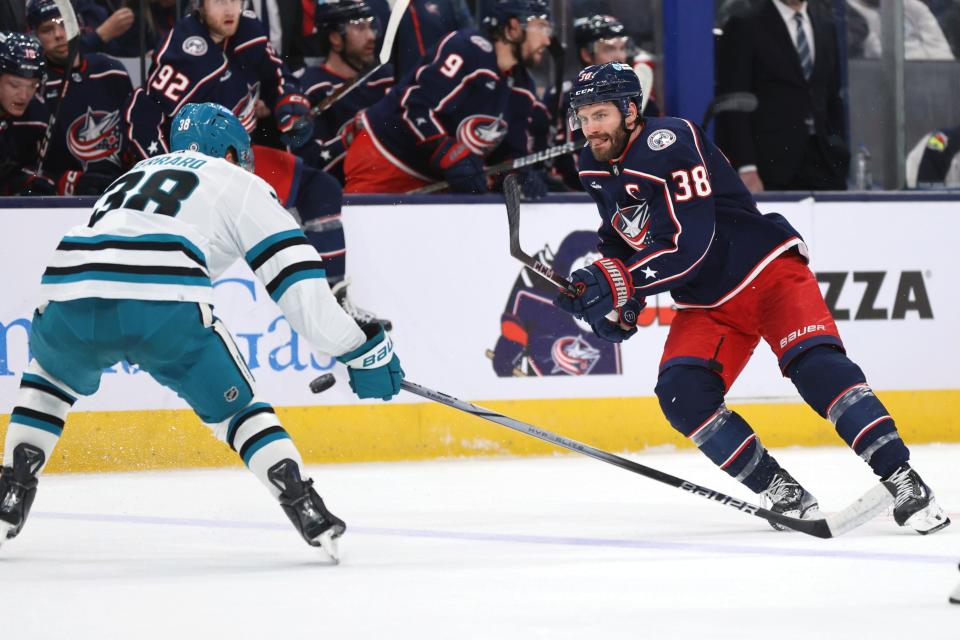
(373, 367)
(293, 122)
(458, 166)
(625, 325)
(602, 287)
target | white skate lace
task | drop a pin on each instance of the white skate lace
(906, 487)
(780, 489)
(357, 313)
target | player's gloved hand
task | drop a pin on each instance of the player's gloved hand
(510, 346)
(373, 367)
(293, 122)
(533, 183)
(459, 166)
(83, 183)
(601, 287)
(625, 324)
(37, 185)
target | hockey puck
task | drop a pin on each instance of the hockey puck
(322, 383)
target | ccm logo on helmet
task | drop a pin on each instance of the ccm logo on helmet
(799, 333)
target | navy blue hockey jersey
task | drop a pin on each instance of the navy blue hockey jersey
(326, 150)
(89, 131)
(191, 67)
(678, 216)
(457, 91)
(19, 143)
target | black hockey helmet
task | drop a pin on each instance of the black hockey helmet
(502, 10)
(331, 15)
(588, 30)
(21, 55)
(40, 11)
(611, 82)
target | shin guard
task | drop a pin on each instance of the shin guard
(837, 389)
(692, 400)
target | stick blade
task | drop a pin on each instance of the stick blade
(70, 24)
(511, 196)
(862, 510)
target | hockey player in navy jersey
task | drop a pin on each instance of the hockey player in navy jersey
(470, 100)
(599, 39)
(134, 284)
(23, 118)
(84, 153)
(219, 53)
(676, 217)
(347, 35)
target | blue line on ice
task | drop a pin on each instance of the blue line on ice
(519, 538)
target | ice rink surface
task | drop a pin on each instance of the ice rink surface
(560, 547)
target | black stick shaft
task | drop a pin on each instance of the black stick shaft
(817, 528)
(530, 160)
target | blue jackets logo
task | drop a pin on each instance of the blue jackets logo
(633, 223)
(574, 355)
(95, 136)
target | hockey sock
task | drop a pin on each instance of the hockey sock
(38, 418)
(837, 389)
(692, 400)
(319, 201)
(256, 435)
(326, 236)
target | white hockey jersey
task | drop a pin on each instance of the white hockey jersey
(174, 222)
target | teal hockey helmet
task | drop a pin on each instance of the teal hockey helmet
(212, 130)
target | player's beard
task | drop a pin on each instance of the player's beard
(618, 141)
(358, 60)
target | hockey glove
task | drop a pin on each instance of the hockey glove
(83, 183)
(625, 325)
(533, 184)
(602, 287)
(511, 345)
(36, 185)
(373, 367)
(293, 122)
(459, 166)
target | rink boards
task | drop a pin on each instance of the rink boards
(442, 273)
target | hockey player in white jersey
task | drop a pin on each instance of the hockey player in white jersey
(135, 284)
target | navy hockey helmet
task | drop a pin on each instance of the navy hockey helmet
(611, 82)
(212, 130)
(21, 55)
(502, 10)
(588, 30)
(331, 15)
(40, 11)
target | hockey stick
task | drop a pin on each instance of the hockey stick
(399, 7)
(517, 163)
(737, 102)
(860, 511)
(72, 29)
(511, 196)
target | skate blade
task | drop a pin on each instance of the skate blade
(329, 546)
(928, 520)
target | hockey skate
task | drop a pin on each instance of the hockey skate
(306, 510)
(18, 486)
(361, 315)
(914, 505)
(785, 496)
